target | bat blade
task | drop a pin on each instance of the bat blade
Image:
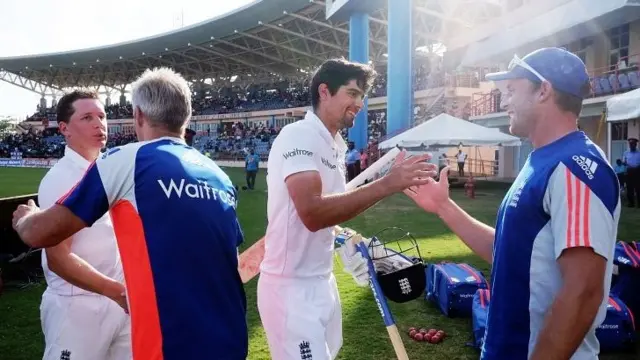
(383, 306)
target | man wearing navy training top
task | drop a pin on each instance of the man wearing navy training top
(174, 217)
(555, 233)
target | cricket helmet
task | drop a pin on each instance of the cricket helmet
(399, 266)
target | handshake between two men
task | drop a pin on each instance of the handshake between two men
(414, 176)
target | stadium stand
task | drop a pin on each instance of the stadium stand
(228, 140)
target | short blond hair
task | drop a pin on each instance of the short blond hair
(164, 97)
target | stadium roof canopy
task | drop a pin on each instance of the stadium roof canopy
(264, 39)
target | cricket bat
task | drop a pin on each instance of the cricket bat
(381, 301)
(250, 260)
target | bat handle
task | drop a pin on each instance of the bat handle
(398, 345)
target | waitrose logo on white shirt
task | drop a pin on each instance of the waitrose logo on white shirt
(296, 152)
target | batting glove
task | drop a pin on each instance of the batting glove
(354, 263)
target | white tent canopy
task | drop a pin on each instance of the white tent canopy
(446, 130)
(624, 106)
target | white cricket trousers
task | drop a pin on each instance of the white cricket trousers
(301, 317)
(91, 327)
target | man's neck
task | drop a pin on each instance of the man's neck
(546, 133)
(88, 154)
(153, 134)
(331, 126)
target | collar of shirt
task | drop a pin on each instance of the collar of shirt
(176, 139)
(76, 158)
(334, 142)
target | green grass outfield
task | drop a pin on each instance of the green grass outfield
(365, 336)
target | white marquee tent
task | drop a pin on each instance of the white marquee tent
(624, 106)
(621, 107)
(445, 130)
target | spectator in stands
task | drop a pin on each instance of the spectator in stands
(363, 159)
(188, 136)
(631, 159)
(352, 161)
(252, 163)
(84, 306)
(553, 246)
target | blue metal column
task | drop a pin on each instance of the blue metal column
(359, 52)
(399, 67)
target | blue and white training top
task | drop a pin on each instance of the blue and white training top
(174, 216)
(566, 195)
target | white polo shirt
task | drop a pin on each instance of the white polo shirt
(291, 249)
(96, 244)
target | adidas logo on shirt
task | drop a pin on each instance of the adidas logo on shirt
(586, 164)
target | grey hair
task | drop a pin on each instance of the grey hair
(164, 97)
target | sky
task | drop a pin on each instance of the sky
(30, 27)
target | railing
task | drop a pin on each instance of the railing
(485, 103)
(475, 167)
(608, 80)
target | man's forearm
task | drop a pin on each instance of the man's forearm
(475, 234)
(566, 324)
(335, 209)
(50, 227)
(78, 272)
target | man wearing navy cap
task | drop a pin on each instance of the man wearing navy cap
(631, 158)
(552, 247)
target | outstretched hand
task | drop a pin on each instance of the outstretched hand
(433, 194)
(414, 171)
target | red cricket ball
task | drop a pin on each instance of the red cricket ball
(417, 337)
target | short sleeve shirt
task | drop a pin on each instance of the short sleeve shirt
(96, 244)
(632, 158)
(174, 215)
(566, 196)
(291, 250)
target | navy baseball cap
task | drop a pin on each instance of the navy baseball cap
(564, 70)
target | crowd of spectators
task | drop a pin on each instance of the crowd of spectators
(273, 96)
(32, 144)
(228, 140)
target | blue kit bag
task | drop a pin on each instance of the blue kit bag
(617, 332)
(452, 286)
(479, 310)
(625, 285)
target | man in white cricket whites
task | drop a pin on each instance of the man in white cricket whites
(297, 294)
(83, 310)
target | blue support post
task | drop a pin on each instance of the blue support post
(399, 67)
(359, 52)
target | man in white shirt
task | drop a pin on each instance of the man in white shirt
(83, 310)
(461, 157)
(298, 298)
